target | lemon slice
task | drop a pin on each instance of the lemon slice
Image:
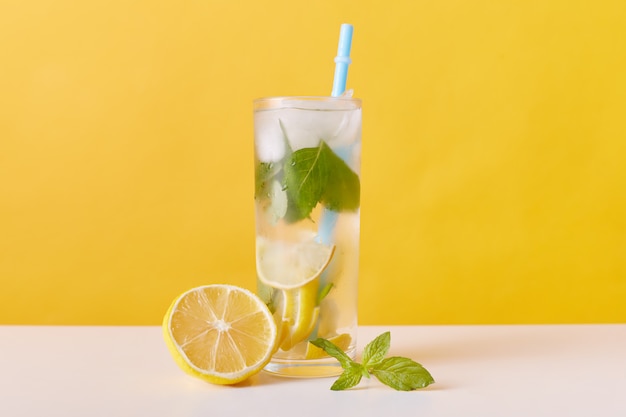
(222, 334)
(301, 314)
(288, 265)
(342, 341)
(293, 268)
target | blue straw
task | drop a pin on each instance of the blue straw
(329, 217)
(342, 61)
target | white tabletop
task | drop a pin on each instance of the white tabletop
(539, 370)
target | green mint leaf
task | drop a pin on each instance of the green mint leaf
(399, 373)
(324, 292)
(333, 351)
(343, 191)
(313, 175)
(266, 171)
(271, 298)
(350, 377)
(402, 374)
(306, 175)
(376, 350)
(263, 175)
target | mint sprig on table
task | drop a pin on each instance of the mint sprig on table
(402, 374)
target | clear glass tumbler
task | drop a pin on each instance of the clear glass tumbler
(307, 200)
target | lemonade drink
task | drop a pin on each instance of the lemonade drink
(307, 198)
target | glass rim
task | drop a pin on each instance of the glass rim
(285, 101)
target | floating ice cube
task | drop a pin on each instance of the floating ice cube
(269, 140)
(302, 127)
(305, 128)
(347, 130)
(303, 123)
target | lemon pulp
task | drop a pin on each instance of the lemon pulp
(220, 333)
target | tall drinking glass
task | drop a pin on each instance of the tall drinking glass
(307, 198)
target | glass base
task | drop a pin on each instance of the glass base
(306, 368)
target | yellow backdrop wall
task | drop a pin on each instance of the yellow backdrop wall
(494, 157)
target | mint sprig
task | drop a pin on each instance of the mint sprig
(308, 176)
(402, 374)
(314, 175)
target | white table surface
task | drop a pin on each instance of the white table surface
(521, 370)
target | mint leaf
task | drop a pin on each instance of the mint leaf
(333, 351)
(350, 377)
(324, 292)
(402, 374)
(306, 175)
(376, 350)
(265, 172)
(352, 371)
(313, 175)
(263, 175)
(342, 192)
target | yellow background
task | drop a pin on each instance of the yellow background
(494, 156)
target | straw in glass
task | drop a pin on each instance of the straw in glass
(342, 61)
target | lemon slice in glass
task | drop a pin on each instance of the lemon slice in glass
(301, 314)
(289, 265)
(222, 334)
(294, 269)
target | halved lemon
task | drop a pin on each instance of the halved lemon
(220, 333)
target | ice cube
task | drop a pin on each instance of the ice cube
(302, 128)
(303, 123)
(347, 129)
(269, 140)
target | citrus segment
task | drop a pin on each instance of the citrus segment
(222, 334)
